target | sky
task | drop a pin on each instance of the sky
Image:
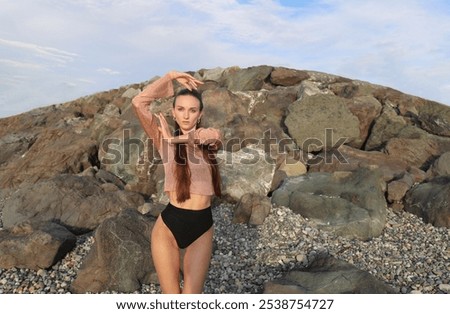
(53, 51)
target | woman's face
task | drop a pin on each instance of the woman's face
(187, 112)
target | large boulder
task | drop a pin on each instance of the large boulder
(250, 170)
(310, 117)
(129, 154)
(287, 77)
(351, 204)
(346, 158)
(120, 259)
(14, 145)
(366, 109)
(327, 275)
(386, 126)
(55, 151)
(105, 123)
(80, 203)
(252, 78)
(223, 110)
(430, 201)
(435, 118)
(417, 152)
(34, 245)
(440, 167)
(402, 132)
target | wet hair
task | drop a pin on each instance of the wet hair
(182, 170)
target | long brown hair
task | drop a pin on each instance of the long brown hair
(182, 170)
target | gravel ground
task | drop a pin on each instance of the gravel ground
(411, 256)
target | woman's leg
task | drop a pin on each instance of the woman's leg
(166, 257)
(196, 263)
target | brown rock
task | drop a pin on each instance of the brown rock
(55, 151)
(397, 190)
(391, 166)
(415, 152)
(252, 209)
(34, 245)
(366, 108)
(287, 77)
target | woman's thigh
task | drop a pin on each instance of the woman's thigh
(166, 257)
(196, 262)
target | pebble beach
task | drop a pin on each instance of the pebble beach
(410, 256)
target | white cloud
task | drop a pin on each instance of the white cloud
(108, 71)
(49, 53)
(19, 64)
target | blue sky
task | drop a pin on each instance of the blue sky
(52, 51)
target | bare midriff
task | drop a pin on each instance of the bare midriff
(196, 202)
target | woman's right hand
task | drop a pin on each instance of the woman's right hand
(187, 80)
(164, 127)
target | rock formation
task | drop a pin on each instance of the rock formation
(333, 149)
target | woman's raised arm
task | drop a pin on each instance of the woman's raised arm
(161, 88)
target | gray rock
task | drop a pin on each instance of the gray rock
(445, 287)
(129, 155)
(430, 201)
(130, 93)
(120, 259)
(435, 118)
(386, 126)
(351, 204)
(14, 145)
(248, 79)
(309, 118)
(77, 202)
(327, 275)
(222, 107)
(104, 124)
(249, 170)
(440, 167)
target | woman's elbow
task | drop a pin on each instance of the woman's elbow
(135, 102)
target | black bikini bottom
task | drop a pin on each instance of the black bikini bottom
(187, 225)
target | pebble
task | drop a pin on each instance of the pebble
(411, 256)
(444, 288)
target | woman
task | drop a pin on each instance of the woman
(191, 180)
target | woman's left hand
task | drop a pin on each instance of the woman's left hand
(185, 79)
